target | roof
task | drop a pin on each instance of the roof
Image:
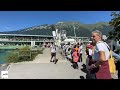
(25, 35)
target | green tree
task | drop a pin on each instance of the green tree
(53, 27)
(115, 23)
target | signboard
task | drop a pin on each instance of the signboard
(4, 74)
(32, 43)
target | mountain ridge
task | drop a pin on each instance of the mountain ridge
(70, 26)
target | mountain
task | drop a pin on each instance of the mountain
(82, 30)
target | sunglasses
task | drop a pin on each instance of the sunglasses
(92, 36)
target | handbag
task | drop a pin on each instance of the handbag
(112, 66)
(111, 62)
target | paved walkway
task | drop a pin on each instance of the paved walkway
(42, 68)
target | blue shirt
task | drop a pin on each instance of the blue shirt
(116, 56)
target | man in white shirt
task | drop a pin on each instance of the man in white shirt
(53, 53)
(80, 52)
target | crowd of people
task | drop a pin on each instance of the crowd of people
(97, 52)
(73, 53)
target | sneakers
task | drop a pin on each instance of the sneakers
(55, 61)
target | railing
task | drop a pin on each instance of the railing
(26, 40)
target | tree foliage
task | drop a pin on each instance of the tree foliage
(115, 23)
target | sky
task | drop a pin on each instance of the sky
(15, 20)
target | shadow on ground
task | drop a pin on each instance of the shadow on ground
(84, 68)
(82, 77)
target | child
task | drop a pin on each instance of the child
(75, 58)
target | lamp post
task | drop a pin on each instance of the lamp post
(74, 32)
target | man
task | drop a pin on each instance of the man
(53, 53)
(80, 52)
(89, 52)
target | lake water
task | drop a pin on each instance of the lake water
(3, 56)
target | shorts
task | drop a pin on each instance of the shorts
(53, 54)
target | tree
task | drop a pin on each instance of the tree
(53, 27)
(115, 23)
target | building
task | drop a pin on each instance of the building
(22, 39)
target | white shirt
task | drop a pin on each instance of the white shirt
(80, 49)
(53, 49)
(90, 52)
(101, 46)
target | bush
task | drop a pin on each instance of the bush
(13, 57)
(33, 56)
(23, 54)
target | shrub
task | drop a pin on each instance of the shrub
(23, 54)
(13, 57)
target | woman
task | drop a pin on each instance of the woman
(100, 57)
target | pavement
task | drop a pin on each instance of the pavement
(42, 68)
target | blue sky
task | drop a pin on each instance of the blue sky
(15, 20)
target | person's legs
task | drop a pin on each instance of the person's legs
(51, 57)
(118, 68)
(55, 60)
(76, 65)
(88, 74)
(119, 73)
(92, 76)
(81, 57)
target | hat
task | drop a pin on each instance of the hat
(76, 49)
